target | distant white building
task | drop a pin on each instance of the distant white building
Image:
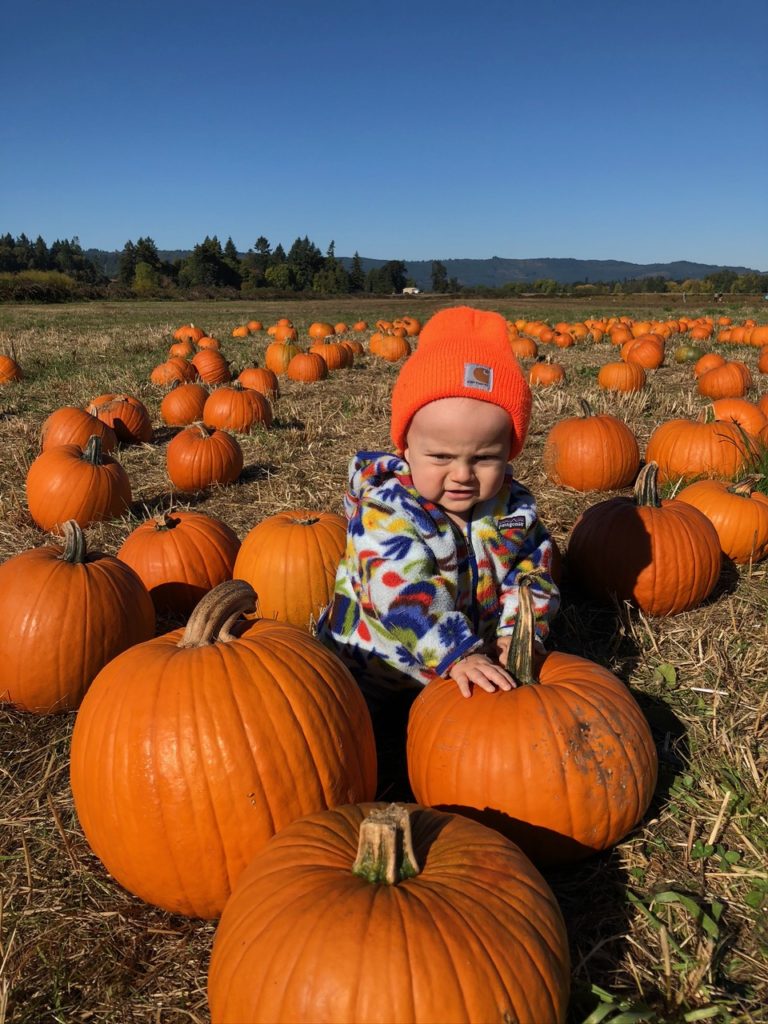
(411, 291)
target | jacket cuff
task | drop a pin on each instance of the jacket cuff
(470, 644)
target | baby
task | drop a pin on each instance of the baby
(440, 534)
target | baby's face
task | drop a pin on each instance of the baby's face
(457, 451)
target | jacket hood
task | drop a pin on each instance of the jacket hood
(371, 469)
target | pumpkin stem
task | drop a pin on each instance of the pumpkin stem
(92, 450)
(646, 486)
(75, 548)
(586, 408)
(520, 655)
(707, 414)
(385, 847)
(217, 612)
(165, 520)
(746, 485)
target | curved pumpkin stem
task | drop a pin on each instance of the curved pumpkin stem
(165, 520)
(707, 414)
(520, 656)
(646, 486)
(204, 431)
(744, 487)
(75, 548)
(217, 612)
(586, 408)
(385, 852)
(92, 450)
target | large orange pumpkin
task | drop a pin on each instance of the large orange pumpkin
(65, 614)
(191, 750)
(260, 379)
(591, 453)
(237, 409)
(126, 415)
(71, 425)
(290, 560)
(179, 557)
(686, 449)
(183, 404)
(198, 458)
(663, 556)
(738, 512)
(624, 376)
(278, 356)
(69, 482)
(564, 764)
(395, 914)
(307, 367)
(731, 380)
(212, 366)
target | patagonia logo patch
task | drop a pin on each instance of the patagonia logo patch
(512, 523)
(477, 376)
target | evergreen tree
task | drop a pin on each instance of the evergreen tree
(356, 274)
(126, 267)
(439, 277)
(231, 255)
(305, 260)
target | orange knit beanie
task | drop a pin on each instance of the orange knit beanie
(462, 353)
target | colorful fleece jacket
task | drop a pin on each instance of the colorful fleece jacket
(412, 593)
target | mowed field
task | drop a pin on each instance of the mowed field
(670, 926)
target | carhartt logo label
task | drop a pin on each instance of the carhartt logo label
(477, 376)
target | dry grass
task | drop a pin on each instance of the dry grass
(670, 926)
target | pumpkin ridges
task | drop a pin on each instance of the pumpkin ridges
(63, 620)
(470, 876)
(191, 714)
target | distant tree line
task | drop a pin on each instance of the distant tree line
(33, 271)
(213, 267)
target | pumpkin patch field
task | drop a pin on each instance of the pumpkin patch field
(171, 512)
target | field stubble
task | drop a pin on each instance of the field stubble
(669, 926)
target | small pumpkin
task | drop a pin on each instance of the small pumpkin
(198, 458)
(624, 376)
(260, 379)
(126, 414)
(278, 356)
(545, 374)
(236, 409)
(212, 366)
(307, 367)
(10, 371)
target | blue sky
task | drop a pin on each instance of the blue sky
(400, 130)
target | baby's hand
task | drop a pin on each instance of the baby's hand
(480, 670)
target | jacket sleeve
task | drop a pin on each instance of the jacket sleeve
(534, 564)
(407, 602)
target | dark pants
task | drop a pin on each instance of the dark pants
(389, 714)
